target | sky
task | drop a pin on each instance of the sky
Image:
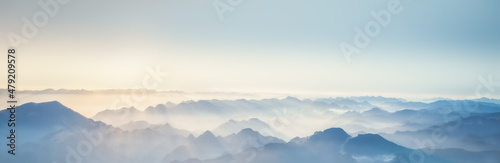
(428, 48)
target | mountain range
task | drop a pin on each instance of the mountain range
(443, 131)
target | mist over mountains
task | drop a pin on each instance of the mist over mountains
(294, 117)
(358, 129)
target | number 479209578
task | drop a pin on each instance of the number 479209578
(11, 61)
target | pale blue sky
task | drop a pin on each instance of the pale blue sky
(435, 48)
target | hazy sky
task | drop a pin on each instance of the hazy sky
(435, 48)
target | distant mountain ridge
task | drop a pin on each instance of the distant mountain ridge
(256, 124)
(288, 114)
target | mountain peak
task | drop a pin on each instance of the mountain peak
(375, 111)
(48, 116)
(130, 109)
(290, 98)
(247, 131)
(370, 137)
(332, 134)
(46, 108)
(254, 120)
(207, 135)
(50, 104)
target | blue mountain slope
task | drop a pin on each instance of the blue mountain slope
(372, 145)
(35, 120)
(49, 127)
(479, 132)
